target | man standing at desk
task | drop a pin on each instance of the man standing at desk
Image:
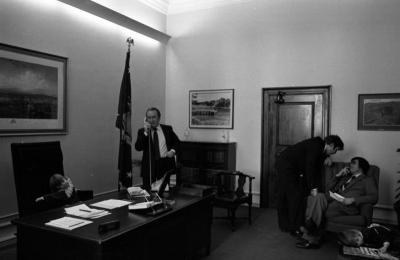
(159, 144)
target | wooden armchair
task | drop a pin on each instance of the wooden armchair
(231, 194)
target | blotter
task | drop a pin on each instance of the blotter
(68, 223)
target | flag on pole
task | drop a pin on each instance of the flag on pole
(124, 124)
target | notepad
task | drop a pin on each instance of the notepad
(111, 204)
(68, 223)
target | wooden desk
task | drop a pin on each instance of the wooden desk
(176, 234)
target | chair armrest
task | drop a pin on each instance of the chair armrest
(366, 210)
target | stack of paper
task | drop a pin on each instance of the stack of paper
(336, 196)
(84, 211)
(137, 191)
(68, 223)
(111, 204)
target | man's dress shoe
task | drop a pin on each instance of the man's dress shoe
(306, 245)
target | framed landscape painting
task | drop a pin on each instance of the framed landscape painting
(211, 109)
(379, 112)
(32, 92)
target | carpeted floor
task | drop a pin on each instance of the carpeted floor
(261, 240)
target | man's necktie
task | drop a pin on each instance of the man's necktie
(156, 146)
(348, 182)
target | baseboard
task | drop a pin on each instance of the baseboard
(382, 213)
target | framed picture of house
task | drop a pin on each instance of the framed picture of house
(32, 92)
(211, 108)
(379, 112)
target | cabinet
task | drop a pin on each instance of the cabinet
(198, 159)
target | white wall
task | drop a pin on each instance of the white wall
(351, 45)
(96, 51)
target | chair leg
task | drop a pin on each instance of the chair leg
(233, 215)
(249, 214)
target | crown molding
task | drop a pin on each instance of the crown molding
(183, 6)
(159, 5)
(168, 7)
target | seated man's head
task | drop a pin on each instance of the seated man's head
(351, 237)
(58, 182)
(359, 165)
(333, 143)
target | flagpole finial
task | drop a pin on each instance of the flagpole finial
(130, 42)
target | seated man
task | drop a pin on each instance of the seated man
(63, 193)
(353, 185)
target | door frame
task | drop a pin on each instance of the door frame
(265, 142)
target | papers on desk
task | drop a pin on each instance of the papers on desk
(336, 196)
(111, 204)
(68, 223)
(84, 211)
(367, 252)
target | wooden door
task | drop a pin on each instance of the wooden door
(303, 114)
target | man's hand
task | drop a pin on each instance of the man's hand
(385, 247)
(39, 199)
(343, 172)
(146, 126)
(170, 153)
(348, 201)
(69, 189)
(328, 161)
(314, 192)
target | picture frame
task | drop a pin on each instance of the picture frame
(211, 109)
(33, 89)
(379, 112)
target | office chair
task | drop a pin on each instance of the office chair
(34, 164)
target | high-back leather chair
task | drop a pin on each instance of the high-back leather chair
(34, 164)
(360, 221)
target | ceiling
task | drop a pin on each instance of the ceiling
(181, 6)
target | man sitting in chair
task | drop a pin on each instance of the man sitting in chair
(63, 193)
(350, 188)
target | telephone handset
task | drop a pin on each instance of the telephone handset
(146, 126)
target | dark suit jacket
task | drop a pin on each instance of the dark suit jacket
(142, 144)
(305, 157)
(362, 189)
(56, 199)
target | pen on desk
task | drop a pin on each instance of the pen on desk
(85, 210)
(75, 224)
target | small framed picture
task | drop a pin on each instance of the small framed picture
(379, 112)
(211, 108)
(32, 92)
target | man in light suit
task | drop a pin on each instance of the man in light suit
(159, 144)
(353, 185)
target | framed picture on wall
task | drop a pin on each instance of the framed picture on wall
(379, 112)
(32, 92)
(211, 108)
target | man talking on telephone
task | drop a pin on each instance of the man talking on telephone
(159, 144)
